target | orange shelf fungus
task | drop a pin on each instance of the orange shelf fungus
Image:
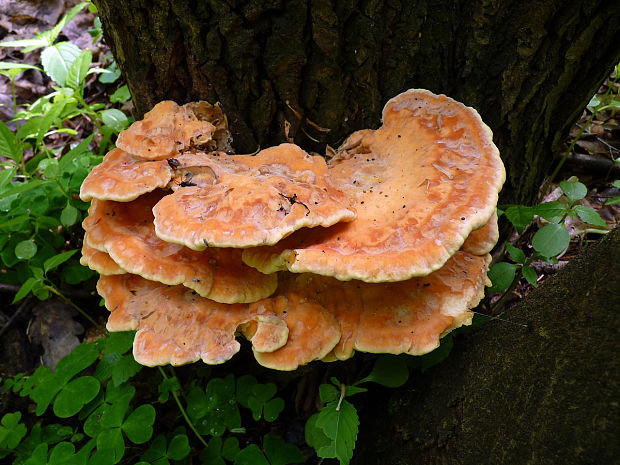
(384, 248)
(422, 182)
(266, 197)
(125, 231)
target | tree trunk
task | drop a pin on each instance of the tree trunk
(507, 395)
(529, 67)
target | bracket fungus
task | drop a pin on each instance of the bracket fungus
(422, 182)
(266, 197)
(384, 248)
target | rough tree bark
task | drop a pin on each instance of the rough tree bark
(528, 67)
(507, 395)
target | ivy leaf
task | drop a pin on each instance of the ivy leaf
(139, 424)
(389, 370)
(588, 215)
(57, 60)
(516, 254)
(340, 426)
(520, 216)
(574, 190)
(501, 275)
(530, 275)
(550, 240)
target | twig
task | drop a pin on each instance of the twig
(598, 164)
(548, 268)
(20, 309)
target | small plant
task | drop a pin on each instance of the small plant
(41, 174)
(93, 386)
(549, 241)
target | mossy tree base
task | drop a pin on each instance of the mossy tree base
(547, 394)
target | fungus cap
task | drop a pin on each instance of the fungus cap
(422, 182)
(124, 177)
(167, 130)
(481, 241)
(243, 201)
(313, 331)
(397, 317)
(175, 325)
(125, 231)
(99, 261)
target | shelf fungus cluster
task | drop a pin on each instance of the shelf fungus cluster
(383, 247)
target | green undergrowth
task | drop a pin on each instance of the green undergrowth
(100, 407)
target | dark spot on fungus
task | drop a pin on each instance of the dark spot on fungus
(173, 163)
(205, 242)
(462, 218)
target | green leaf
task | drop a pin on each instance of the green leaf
(389, 370)
(11, 430)
(341, 427)
(25, 289)
(57, 60)
(530, 275)
(5, 176)
(613, 201)
(124, 369)
(315, 437)
(8, 144)
(328, 393)
(69, 215)
(272, 409)
(110, 75)
(75, 395)
(279, 452)
(551, 211)
(516, 254)
(78, 69)
(120, 95)
(178, 448)
(110, 445)
(36, 42)
(230, 448)
(574, 190)
(25, 250)
(501, 275)
(550, 240)
(245, 384)
(251, 455)
(114, 119)
(588, 215)
(520, 216)
(139, 424)
(57, 260)
(61, 453)
(53, 33)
